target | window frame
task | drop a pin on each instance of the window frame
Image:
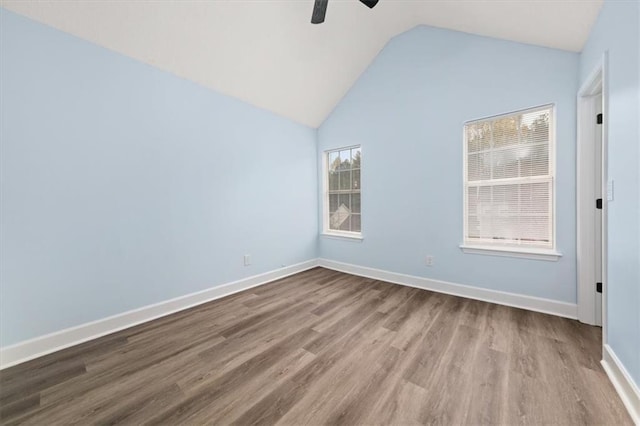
(513, 250)
(326, 231)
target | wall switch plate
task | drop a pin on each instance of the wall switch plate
(428, 260)
(610, 190)
(247, 259)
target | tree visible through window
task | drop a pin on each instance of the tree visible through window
(509, 180)
(343, 190)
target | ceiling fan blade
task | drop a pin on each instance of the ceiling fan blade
(319, 11)
(369, 3)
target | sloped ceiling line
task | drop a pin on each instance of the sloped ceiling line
(266, 52)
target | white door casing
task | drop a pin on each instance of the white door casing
(591, 178)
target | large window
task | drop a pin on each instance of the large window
(342, 214)
(509, 176)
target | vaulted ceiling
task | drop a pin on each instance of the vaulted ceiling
(267, 53)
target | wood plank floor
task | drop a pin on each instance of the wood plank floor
(323, 347)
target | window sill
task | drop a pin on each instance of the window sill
(343, 236)
(549, 255)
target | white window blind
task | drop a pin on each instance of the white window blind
(509, 180)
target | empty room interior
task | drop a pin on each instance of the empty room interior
(317, 212)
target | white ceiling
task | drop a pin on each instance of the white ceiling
(267, 53)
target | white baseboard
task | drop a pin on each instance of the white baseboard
(43, 345)
(622, 381)
(547, 306)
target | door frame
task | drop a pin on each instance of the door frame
(595, 84)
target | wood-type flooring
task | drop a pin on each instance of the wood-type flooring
(323, 347)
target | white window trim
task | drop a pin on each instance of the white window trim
(550, 254)
(326, 232)
(343, 235)
(531, 253)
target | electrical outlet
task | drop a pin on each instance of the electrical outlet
(247, 259)
(428, 260)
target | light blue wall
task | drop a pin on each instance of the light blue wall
(123, 185)
(616, 31)
(407, 111)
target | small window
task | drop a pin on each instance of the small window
(509, 181)
(342, 212)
